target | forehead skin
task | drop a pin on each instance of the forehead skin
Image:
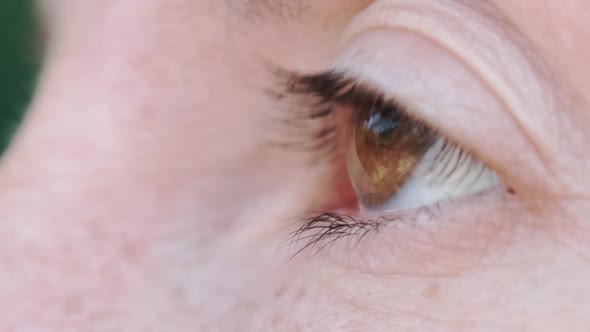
(154, 203)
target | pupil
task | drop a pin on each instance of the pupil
(383, 122)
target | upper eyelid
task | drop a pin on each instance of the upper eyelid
(488, 45)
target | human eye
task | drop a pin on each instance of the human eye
(394, 160)
(408, 141)
(397, 164)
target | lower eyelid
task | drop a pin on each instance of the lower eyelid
(436, 240)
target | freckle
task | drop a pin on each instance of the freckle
(279, 293)
(276, 320)
(72, 306)
(130, 251)
(300, 294)
(511, 191)
(178, 294)
(432, 292)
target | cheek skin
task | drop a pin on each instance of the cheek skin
(522, 278)
(136, 192)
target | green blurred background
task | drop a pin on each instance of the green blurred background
(18, 55)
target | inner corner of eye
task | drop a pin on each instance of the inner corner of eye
(395, 162)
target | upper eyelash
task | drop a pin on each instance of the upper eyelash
(323, 92)
(307, 118)
(311, 102)
(332, 88)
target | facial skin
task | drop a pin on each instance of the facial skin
(142, 193)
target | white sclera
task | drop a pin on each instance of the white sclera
(438, 179)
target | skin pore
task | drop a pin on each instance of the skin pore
(142, 193)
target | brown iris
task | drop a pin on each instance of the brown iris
(386, 147)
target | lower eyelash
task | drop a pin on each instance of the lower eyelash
(322, 231)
